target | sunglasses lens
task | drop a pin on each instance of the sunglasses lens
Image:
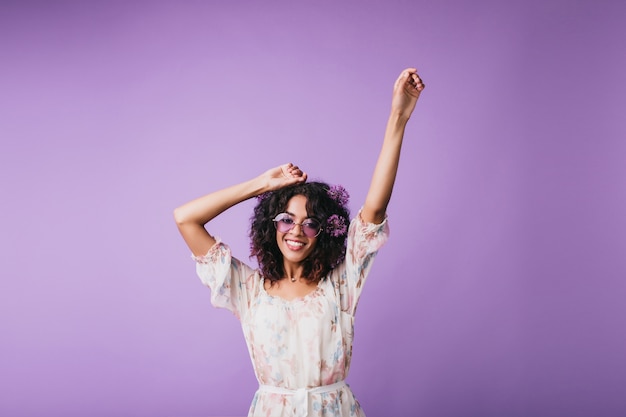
(284, 223)
(311, 228)
(283, 226)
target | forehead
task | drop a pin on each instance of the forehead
(296, 206)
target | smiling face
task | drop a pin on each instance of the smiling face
(295, 245)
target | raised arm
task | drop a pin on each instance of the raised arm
(406, 91)
(192, 216)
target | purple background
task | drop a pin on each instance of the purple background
(501, 291)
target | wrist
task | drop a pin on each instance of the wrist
(398, 118)
(259, 185)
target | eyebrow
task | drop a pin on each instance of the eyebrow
(306, 218)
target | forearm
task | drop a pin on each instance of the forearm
(383, 179)
(202, 210)
(191, 217)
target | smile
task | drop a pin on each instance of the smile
(294, 244)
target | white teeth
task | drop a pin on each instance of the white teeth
(294, 243)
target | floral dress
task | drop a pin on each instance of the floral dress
(300, 349)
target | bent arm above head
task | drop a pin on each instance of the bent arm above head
(192, 216)
(406, 91)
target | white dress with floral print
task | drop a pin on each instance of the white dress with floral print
(302, 343)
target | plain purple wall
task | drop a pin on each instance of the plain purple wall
(501, 291)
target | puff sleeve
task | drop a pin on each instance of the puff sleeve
(364, 241)
(231, 281)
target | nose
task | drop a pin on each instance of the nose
(293, 229)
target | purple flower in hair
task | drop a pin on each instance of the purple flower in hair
(263, 196)
(339, 194)
(336, 226)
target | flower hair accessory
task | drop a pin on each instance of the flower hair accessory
(339, 194)
(263, 196)
(336, 226)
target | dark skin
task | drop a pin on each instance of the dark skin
(295, 247)
(192, 217)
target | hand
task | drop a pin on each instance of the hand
(406, 91)
(283, 176)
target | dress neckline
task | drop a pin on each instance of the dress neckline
(305, 297)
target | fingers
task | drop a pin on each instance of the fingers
(407, 71)
(409, 77)
(293, 172)
(415, 81)
(406, 74)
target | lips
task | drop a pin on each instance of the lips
(294, 244)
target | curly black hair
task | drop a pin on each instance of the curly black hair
(330, 248)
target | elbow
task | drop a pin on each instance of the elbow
(375, 216)
(179, 216)
(379, 217)
(184, 216)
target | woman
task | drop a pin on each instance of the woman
(297, 309)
